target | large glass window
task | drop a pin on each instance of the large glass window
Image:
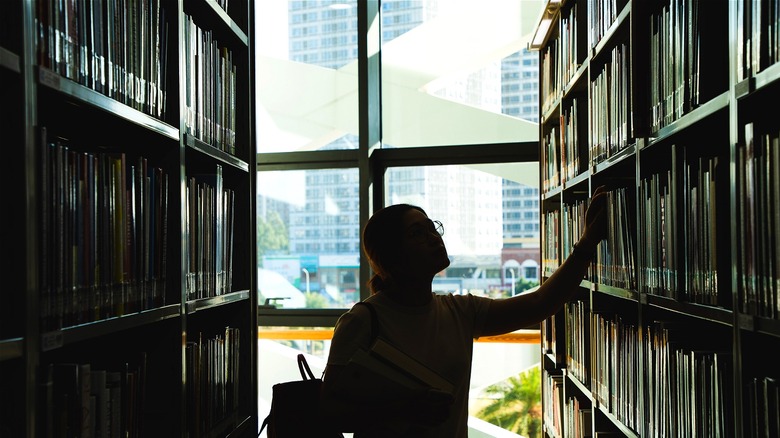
(453, 73)
(486, 243)
(306, 75)
(308, 244)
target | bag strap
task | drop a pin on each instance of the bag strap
(303, 366)
(374, 320)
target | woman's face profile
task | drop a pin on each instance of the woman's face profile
(423, 246)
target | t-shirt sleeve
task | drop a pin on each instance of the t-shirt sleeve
(480, 306)
(352, 332)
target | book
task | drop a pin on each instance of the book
(367, 375)
(46, 249)
(160, 280)
(85, 389)
(100, 391)
(230, 201)
(66, 397)
(585, 421)
(114, 387)
(771, 407)
(398, 359)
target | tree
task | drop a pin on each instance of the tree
(271, 234)
(315, 300)
(517, 404)
(522, 285)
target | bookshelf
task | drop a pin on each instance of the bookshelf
(130, 304)
(667, 103)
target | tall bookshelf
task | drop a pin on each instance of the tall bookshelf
(129, 306)
(667, 103)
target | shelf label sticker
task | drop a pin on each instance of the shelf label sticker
(51, 340)
(49, 78)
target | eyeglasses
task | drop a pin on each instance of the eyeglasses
(439, 227)
(419, 233)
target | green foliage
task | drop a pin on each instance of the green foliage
(522, 285)
(517, 404)
(271, 234)
(315, 300)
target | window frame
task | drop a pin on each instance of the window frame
(378, 161)
(373, 162)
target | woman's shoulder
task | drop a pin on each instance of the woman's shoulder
(467, 296)
(463, 301)
(358, 314)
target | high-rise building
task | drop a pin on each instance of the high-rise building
(519, 98)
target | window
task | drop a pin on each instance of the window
(469, 201)
(316, 185)
(308, 234)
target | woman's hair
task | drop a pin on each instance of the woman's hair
(382, 237)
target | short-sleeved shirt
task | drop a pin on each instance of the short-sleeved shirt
(439, 334)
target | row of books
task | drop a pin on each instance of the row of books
(576, 314)
(758, 188)
(699, 209)
(552, 403)
(562, 158)
(610, 106)
(660, 234)
(209, 230)
(571, 165)
(551, 222)
(572, 224)
(223, 4)
(759, 42)
(567, 416)
(686, 391)
(548, 334)
(569, 44)
(210, 88)
(213, 380)
(116, 47)
(87, 401)
(664, 226)
(104, 234)
(763, 400)
(560, 59)
(601, 16)
(675, 42)
(550, 80)
(579, 419)
(551, 159)
(680, 49)
(658, 238)
(614, 366)
(615, 263)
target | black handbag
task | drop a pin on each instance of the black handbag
(295, 408)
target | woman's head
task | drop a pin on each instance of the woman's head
(403, 244)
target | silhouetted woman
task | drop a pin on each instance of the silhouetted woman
(406, 250)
